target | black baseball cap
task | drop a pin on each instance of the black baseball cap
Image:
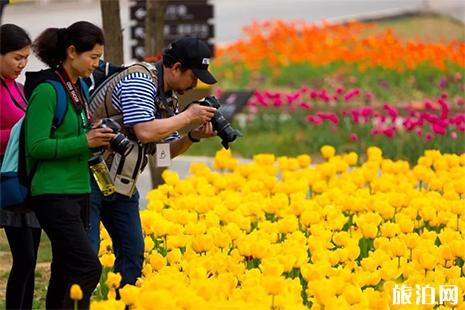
(194, 54)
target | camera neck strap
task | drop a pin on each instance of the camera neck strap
(77, 98)
(166, 101)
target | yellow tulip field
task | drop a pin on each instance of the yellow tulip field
(351, 231)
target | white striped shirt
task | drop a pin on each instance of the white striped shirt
(135, 97)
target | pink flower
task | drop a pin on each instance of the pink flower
(305, 105)
(277, 102)
(315, 119)
(339, 90)
(390, 131)
(369, 96)
(292, 97)
(438, 129)
(428, 104)
(366, 111)
(444, 108)
(351, 94)
(271, 94)
(428, 137)
(376, 131)
(353, 137)
(328, 116)
(355, 116)
(391, 110)
(460, 101)
(453, 135)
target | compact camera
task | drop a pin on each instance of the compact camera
(219, 122)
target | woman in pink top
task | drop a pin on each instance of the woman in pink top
(22, 230)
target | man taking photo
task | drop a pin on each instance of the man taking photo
(144, 102)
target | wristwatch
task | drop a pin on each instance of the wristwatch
(193, 140)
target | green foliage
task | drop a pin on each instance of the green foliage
(269, 132)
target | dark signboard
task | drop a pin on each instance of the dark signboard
(182, 18)
(176, 12)
(174, 32)
(232, 102)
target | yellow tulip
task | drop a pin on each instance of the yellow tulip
(129, 294)
(351, 158)
(75, 292)
(427, 261)
(148, 244)
(272, 267)
(398, 247)
(389, 230)
(113, 279)
(458, 248)
(107, 304)
(156, 260)
(353, 294)
(406, 225)
(327, 151)
(369, 231)
(107, 260)
(304, 160)
(374, 153)
(274, 285)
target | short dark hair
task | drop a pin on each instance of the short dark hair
(169, 60)
(50, 47)
(13, 38)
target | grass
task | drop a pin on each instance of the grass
(431, 28)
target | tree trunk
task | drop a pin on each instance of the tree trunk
(154, 43)
(154, 26)
(112, 29)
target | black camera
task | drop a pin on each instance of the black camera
(120, 143)
(219, 122)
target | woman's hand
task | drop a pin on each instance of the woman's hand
(99, 137)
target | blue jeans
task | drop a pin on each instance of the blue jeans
(120, 216)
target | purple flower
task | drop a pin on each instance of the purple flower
(443, 83)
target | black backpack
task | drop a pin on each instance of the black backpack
(103, 72)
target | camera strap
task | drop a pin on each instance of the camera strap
(77, 98)
(164, 103)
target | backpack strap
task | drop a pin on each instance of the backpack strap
(85, 89)
(101, 105)
(62, 103)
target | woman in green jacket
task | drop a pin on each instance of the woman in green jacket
(57, 157)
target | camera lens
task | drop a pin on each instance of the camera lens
(121, 144)
(224, 129)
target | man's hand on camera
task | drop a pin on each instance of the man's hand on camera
(199, 114)
(204, 131)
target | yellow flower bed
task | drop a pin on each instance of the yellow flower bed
(280, 233)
